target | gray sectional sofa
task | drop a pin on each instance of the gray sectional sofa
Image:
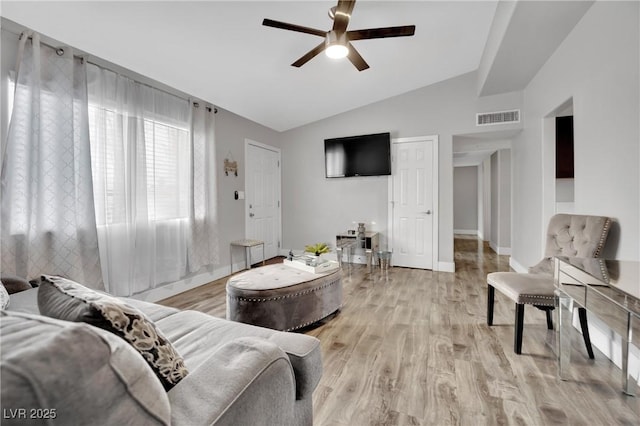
(74, 373)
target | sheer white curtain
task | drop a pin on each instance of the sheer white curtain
(48, 224)
(203, 247)
(153, 218)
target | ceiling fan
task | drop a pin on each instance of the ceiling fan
(337, 41)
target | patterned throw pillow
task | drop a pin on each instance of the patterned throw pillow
(67, 300)
(4, 297)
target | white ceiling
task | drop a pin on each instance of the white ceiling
(219, 52)
(528, 32)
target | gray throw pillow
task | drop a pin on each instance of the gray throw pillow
(67, 300)
(15, 284)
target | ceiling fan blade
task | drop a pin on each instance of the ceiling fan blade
(309, 55)
(293, 27)
(405, 31)
(343, 15)
(356, 59)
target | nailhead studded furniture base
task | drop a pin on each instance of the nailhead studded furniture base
(283, 298)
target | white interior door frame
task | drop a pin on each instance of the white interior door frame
(436, 211)
(247, 173)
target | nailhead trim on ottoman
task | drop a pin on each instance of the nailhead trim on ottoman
(283, 298)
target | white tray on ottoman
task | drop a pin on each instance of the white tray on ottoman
(283, 298)
(317, 268)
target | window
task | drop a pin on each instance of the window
(166, 166)
(167, 170)
(117, 148)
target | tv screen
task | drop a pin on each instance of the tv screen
(365, 155)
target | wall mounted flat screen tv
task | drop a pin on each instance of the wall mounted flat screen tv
(365, 155)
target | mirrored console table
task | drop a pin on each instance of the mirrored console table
(352, 242)
(608, 289)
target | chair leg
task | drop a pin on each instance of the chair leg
(582, 313)
(549, 319)
(517, 341)
(547, 310)
(490, 296)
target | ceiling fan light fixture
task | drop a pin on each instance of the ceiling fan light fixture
(337, 41)
(337, 51)
(336, 46)
(332, 12)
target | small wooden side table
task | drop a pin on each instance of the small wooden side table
(247, 244)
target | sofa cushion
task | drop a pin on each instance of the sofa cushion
(197, 335)
(74, 374)
(25, 302)
(153, 311)
(254, 385)
(67, 300)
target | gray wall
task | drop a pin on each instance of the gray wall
(315, 208)
(495, 210)
(465, 199)
(597, 66)
(485, 168)
(231, 132)
(504, 237)
(500, 239)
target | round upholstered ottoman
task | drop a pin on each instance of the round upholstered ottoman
(282, 297)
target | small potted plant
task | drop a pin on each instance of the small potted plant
(317, 249)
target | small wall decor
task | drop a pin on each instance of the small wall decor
(230, 165)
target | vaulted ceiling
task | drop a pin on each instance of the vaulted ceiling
(219, 51)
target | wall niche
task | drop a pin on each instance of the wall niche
(564, 147)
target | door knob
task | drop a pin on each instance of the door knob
(427, 212)
(251, 215)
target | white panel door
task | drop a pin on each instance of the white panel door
(263, 199)
(413, 206)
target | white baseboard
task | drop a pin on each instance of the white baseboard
(171, 289)
(446, 267)
(500, 250)
(517, 266)
(466, 231)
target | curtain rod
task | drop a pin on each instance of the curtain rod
(60, 51)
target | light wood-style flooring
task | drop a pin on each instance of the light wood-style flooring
(412, 347)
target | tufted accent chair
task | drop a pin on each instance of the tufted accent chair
(567, 235)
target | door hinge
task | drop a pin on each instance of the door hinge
(278, 203)
(278, 244)
(278, 163)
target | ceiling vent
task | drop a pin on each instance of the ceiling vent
(499, 117)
